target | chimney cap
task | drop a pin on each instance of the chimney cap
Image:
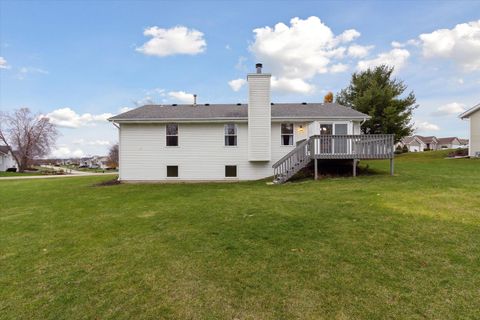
(259, 66)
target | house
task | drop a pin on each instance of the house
(6, 159)
(450, 143)
(230, 142)
(95, 162)
(413, 143)
(473, 115)
(430, 142)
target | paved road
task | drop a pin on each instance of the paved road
(73, 173)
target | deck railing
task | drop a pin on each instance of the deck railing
(366, 146)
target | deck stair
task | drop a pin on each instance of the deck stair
(292, 162)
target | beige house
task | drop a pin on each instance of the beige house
(473, 115)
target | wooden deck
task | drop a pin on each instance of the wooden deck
(353, 147)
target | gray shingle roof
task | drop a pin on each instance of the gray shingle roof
(4, 149)
(237, 112)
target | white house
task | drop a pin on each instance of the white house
(6, 159)
(413, 143)
(237, 141)
(449, 143)
(473, 114)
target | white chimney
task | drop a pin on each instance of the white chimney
(259, 115)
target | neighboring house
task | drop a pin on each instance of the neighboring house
(430, 142)
(449, 143)
(6, 159)
(95, 162)
(473, 115)
(240, 141)
(413, 143)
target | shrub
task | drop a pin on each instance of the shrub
(11, 169)
(458, 153)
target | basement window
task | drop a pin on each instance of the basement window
(172, 171)
(287, 134)
(172, 135)
(230, 134)
(230, 171)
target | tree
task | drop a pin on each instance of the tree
(375, 93)
(28, 136)
(113, 156)
(328, 98)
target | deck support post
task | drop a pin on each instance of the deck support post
(391, 166)
(316, 168)
(354, 167)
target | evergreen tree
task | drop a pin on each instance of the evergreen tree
(376, 93)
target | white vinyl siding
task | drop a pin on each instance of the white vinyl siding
(474, 133)
(259, 118)
(201, 155)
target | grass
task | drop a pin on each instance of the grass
(373, 247)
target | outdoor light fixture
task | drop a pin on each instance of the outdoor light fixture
(300, 128)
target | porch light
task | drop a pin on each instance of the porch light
(300, 128)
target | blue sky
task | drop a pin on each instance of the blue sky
(82, 61)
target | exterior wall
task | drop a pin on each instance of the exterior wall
(259, 117)
(201, 154)
(474, 133)
(7, 161)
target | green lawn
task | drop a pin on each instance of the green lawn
(371, 247)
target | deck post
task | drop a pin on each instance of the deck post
(316, 168)
(391, 166)
(354, 167)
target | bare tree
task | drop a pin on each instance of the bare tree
(113, 156)
(28, 136)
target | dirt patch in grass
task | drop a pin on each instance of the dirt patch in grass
(107, 183)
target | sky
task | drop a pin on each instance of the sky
(80, 62)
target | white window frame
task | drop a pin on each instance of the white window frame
(292, 134)
(178, 171)
(171, 135)
(226, 134)
(225, 171)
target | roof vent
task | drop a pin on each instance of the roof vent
(304, 103)
(174, 104)
(271, 103)
(194, 99)
(239, 104)
(207, 104)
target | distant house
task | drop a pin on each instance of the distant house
(449, 143)
(6, 159)
(413, 143)
(95, 162)
(430, 142)
(473, 115)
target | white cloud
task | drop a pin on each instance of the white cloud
(237, 84)
(293, 85)
(358, 51)
(427, 126)
(395, 58)
(176, 40)
(24, 71)
(181, 96)
(124, 109)
(339, 67)
(300, 51)
(3, 63)
(461, 44)
(66, 117)
(65, 152)
(453, 108)
(92, 142)
(304, 49)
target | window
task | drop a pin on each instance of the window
(231, 134)
(287, 134)
(172, 135)
(172, 171)
(230, 171)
